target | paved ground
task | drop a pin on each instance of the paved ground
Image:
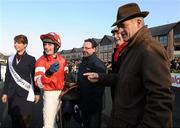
(5, 121)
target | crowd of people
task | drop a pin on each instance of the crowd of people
(140, 79)
(175, 65)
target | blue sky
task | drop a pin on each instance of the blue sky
(73, 20)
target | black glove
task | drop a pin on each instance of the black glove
(53, 68)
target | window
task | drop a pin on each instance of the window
(109, 47)
(105, 55)
(177, 48)
(101, 48)
(101, 55)
(105, 47)
(163, 40)
(109, 55)
(177, 36)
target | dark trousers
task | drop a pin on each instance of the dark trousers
(91, 120)
(118, 123)
(112, 93)
(19, 121)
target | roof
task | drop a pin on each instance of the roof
(97, 40)
(65, 51)
(71, 51)
(76, 50)
(162, 30)
(107, 40)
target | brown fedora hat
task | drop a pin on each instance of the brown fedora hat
(129, 11)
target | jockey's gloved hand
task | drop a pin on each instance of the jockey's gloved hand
(53, 68)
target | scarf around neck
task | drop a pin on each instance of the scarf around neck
(119, 49)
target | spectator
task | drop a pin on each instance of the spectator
(117, 55)
(90, 95)
(143, 98)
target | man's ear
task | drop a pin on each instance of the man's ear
(139, 21)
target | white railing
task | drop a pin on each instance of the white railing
(3, 71)
(175, 79)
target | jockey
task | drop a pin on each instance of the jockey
(49, 76)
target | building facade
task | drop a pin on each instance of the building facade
(105, 48)
(168, 35)
(72, 54)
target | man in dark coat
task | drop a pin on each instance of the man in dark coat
(143, 97)
(116, 56)
(90, 94)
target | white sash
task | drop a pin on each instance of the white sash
(21, 82)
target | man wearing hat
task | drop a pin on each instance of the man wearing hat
(143, 97)
(49, 76)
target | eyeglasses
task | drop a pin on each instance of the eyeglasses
(86, 48)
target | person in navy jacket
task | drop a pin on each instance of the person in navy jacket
(91, 96)
(19, 91)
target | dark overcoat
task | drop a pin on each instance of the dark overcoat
(143, 96)
(17, 103)
(91, 95)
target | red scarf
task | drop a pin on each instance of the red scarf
(119, 49)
